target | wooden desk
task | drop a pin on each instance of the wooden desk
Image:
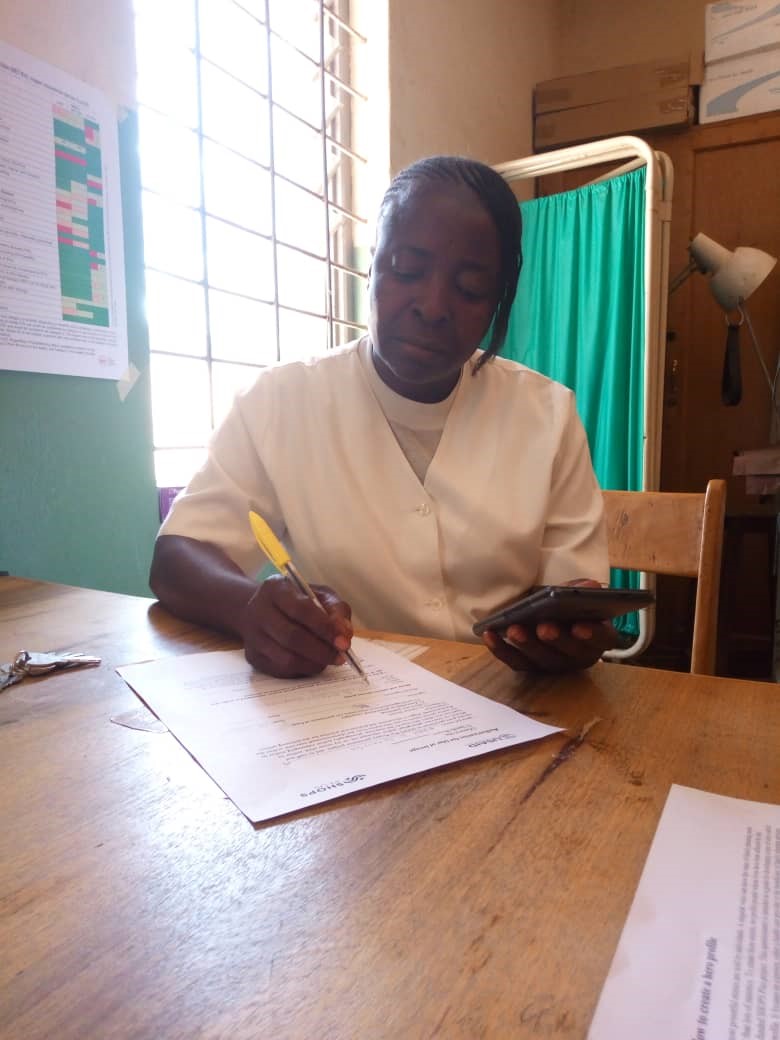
(484, 899)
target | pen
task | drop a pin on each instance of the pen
(280, 558)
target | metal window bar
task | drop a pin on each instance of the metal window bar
(201, 165)
(329, 304)
(337, 95)
(343, 23)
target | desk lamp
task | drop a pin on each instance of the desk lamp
(734, 276)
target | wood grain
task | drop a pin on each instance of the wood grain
(484, 899)
(667, 532)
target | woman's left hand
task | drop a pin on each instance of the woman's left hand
(552, 646)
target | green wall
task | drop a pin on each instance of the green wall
(78, 502)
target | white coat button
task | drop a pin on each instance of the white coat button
(423, 509)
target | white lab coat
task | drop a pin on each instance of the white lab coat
(509, 499)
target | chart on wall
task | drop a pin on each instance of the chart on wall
(62, 280)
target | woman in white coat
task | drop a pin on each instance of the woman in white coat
(418, 482)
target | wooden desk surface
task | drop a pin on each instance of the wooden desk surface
(484, 899)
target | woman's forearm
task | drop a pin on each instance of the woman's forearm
(198, 582)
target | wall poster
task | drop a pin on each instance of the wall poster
(62, 280)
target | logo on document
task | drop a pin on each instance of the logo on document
(321, 788)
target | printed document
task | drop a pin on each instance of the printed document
(699, 957)
(62, 279)
(278, 745)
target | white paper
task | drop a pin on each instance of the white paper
(411, 651)
(62, 279)
(699, 957)
(277, 745)
(127, 381)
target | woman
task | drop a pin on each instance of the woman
(422, 481)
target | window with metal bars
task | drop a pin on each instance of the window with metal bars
(252, 123)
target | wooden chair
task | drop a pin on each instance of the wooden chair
(664, 532)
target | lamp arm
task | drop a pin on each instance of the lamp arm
(771, 383)
(679, 278)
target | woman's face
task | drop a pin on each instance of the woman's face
(433, 288)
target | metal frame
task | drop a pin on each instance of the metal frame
(659, 186)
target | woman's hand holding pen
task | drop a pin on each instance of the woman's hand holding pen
(287, 635)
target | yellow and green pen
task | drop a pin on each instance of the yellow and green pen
(280, 558)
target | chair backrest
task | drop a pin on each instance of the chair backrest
(665, 532)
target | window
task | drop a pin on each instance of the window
(252, 123)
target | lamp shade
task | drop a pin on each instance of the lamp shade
(735, 275)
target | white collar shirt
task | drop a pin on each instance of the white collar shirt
(509, 499)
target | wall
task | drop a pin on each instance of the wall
(461, 76)
(92, 41)
(597, 34)
(78, 494)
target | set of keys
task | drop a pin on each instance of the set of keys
(28, 663)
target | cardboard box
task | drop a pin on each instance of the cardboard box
(672, 107)
(731, 29)
(763, 461)
(761, 469)
(592, 88)
(741, 86)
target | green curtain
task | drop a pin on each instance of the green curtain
(578, 318)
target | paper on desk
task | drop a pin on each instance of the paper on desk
(277, 745)
(699, 957)
(411, 651)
